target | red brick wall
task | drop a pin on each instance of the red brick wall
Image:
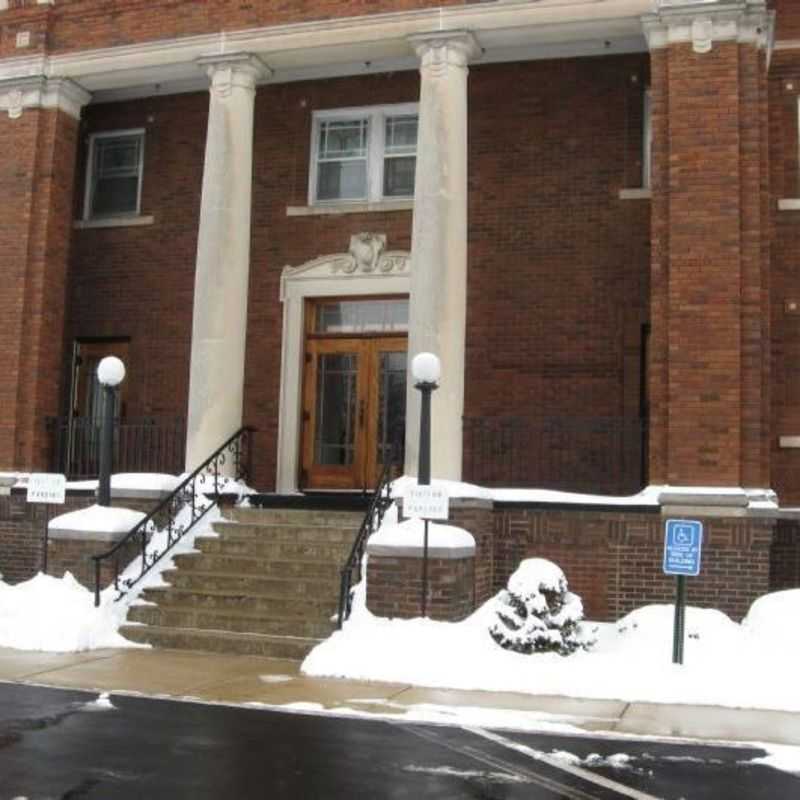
(558, 264)
(22, 536)
(79, 24)
(556, 238)
(394, 587)
(36, 194)
(614, 560)
(788, 19)
(477, 517)
(784, 91)
(785, 556)
(709, 357)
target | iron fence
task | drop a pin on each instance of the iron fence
(601, 455)
(145, 444)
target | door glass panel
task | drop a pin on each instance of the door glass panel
(362, 316)
(391, 403)
(334, 441)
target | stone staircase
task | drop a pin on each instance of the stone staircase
(267, 585)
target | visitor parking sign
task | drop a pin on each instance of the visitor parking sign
(682, 547)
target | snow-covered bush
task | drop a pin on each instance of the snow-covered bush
(537, 613)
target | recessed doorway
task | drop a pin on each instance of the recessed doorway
(354, 391)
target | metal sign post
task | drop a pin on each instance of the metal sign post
(426, 502)
(683, 546)
(48, 488)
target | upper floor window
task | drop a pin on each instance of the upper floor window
(363, 154)
(114, 174)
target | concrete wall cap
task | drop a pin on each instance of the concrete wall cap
(736, 498)
(413, 551)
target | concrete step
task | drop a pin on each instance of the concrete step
(294, 516)
(244, 603)
(274, 551)
(179, 617)
(252, 644)
(288, 533)
(304, 588)
(248, 565)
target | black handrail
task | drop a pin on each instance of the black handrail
(186, 493)
(381, 500)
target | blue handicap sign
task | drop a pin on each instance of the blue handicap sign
(683, 546)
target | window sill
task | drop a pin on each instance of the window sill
(349, 208)
(635, 194)
(789, 204)
(114, 222)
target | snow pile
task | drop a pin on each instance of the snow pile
(98, 519)
(57, 614)
(411, 533)
(538, 613)
(768, 622)
(724, 663)
(649, 630)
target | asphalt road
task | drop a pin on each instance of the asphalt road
(63, 744)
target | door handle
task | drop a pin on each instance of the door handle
(361, 414)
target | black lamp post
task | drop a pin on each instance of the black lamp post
(110, 373)
(426, 369)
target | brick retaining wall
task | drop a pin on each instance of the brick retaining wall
(22, 532)
(785, 556)
(394, 587)
(613, 560)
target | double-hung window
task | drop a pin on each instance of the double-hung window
(363, 154)
(114, 174)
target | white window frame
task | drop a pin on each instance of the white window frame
(647, 139)
(89, 189)
(376, 149)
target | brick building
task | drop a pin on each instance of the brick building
(588, 210)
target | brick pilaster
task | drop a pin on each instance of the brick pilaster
(36, 194)
(709, 358)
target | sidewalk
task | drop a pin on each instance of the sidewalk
(249, 679)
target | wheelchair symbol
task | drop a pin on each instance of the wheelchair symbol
(683, 535)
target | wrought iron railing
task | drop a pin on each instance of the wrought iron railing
(193, 498)
(381, 500)
(141, 444)
(601, 455)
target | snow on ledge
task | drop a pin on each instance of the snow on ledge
(407, 539)
(97, 519)
(135, 482)
(761, 499)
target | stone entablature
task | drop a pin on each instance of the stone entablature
(704, 22)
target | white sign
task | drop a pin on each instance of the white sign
(426, 502)
(46, 487)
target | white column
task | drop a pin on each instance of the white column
(437, 315)
(219, 326)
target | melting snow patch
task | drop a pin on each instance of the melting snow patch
(102, 703)
(275, 678)
(492, 777)
(783, 757)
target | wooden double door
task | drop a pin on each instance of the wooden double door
(354, 405)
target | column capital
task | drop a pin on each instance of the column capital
(703, 22)
(229, 70)
(37, 91)
(445, 48)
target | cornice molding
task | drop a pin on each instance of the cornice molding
(704, 22)
(351, 45)
(18, 94)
